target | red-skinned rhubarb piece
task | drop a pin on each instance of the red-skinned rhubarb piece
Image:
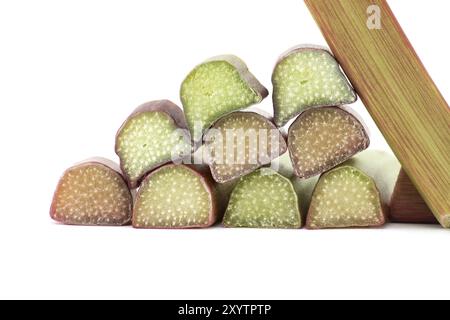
(154, 134)
(240, 143)
(356, 194)
(345, 197)
(177, 197)
(322, 138)
(93, 192)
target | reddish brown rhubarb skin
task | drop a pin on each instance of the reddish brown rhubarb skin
(256, 113)
(346, 111)
(166, 106)
(203, 172)
(407, 205)
(96, 161)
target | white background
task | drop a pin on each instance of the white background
(71, 71)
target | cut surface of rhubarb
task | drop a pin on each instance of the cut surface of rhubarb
(322, 138)
(345, 197)
(175, 196)
(263, 199)
(92, 193)
(308, 77)
(215, 88)
(150, 137)
(240, 143)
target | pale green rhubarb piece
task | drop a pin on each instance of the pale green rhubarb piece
(175, 197)
(215, 88)
(308, 77)
(240, 143)
(322, 138)
(263, 199)
(92, 193)
(345, 197)
(154, 134)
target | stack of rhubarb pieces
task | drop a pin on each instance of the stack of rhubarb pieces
(218, 160)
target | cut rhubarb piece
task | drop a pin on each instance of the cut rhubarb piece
(215, 88)
(240, 143)
(400, 198)
(263, 199)
(322, 138)
(345, 197)
(154, 134)
(176, 197)
(383, 167)
(308, 77)
(92, 193)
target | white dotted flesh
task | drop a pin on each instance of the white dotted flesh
(345, 197)
(263, 199)
(216, 88)
(148, 140)
(240, 143)
(306, 78)
(174, 197)
(322, 138)
(92, 194)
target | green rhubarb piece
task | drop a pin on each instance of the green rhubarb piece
(382, 166)
(215, 88)
(154, 134)
(308, 77)
(322, 138)
(240, 143)
(92, 193)
(345, 197)
(175, 196)
(263, 199)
